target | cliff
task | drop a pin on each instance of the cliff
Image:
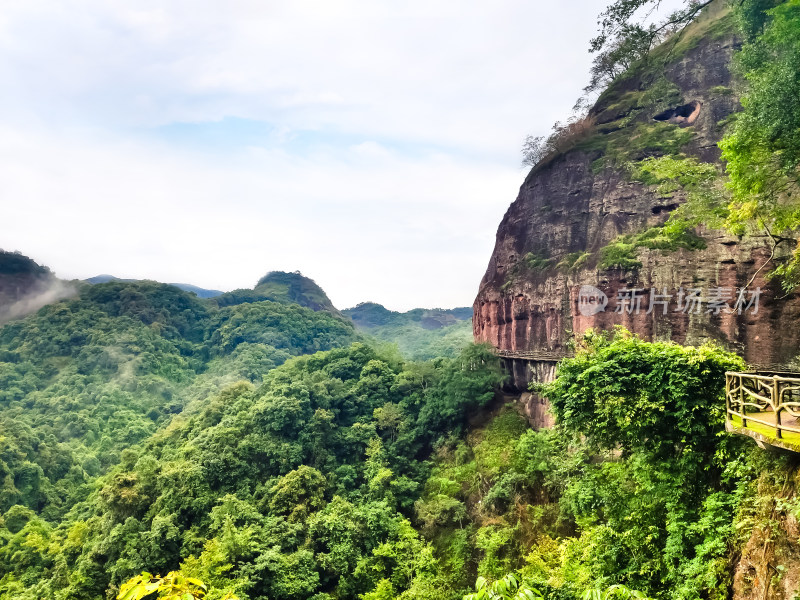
(584, 231)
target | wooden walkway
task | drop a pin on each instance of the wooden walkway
(533, 355)
(764, 406)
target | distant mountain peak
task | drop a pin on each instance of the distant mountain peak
(283, 286)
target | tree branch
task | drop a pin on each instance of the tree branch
(775, 241)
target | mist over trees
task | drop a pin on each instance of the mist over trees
(257, 445)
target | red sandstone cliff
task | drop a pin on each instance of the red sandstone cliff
(580, 201)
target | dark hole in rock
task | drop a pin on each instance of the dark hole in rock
(657, 210)
(685, 114)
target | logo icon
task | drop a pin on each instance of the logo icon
(591, 300)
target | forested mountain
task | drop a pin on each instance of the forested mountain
(26, 286)
(86, 378)
(143, 428)
(258, 442)
(186, 287)
(283, 287)
(420, 334)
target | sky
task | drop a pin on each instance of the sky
(374, 146)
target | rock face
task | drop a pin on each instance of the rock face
(768, 564)
(545, 284)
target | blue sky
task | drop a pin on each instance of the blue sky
(372, 145)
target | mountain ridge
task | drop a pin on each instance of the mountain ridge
(186, 287)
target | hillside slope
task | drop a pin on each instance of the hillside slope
(26, 286)
(84, 379)
(282, 287)
(420, 334)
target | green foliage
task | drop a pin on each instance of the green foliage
(574, 261)
(620, 109)
(703, 203)
(621, 253)
(494, 446)
(129, 440)
(293, 288)
(762, 147)
(656, 515)
(15, 263)
(671, 173)
(753, 15)
(537, 262)
(612, 592)
(506, 588)
(286, 490)
(637, 87)
(350, 473)
(624, 145)
(85, 379)
(720, 90)
(173, 586)
(628, 45)
(701, 184)
(663, 401)
(419, 334)
(670, 237)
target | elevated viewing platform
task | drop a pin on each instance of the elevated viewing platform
(764, 406)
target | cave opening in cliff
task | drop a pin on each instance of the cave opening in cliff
(686, 113)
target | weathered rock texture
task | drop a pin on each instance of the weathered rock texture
(576, 203)
(768, 565)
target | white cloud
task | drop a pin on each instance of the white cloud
(392, 152)
(367, 224)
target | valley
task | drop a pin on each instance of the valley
(604, 422)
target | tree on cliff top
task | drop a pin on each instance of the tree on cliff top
(624, 37)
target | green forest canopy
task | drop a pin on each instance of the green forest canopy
(266, 449)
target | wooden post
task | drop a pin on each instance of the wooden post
(728, 377)
(741, 399)
(776, 404)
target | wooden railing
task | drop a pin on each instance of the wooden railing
(769, 399)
